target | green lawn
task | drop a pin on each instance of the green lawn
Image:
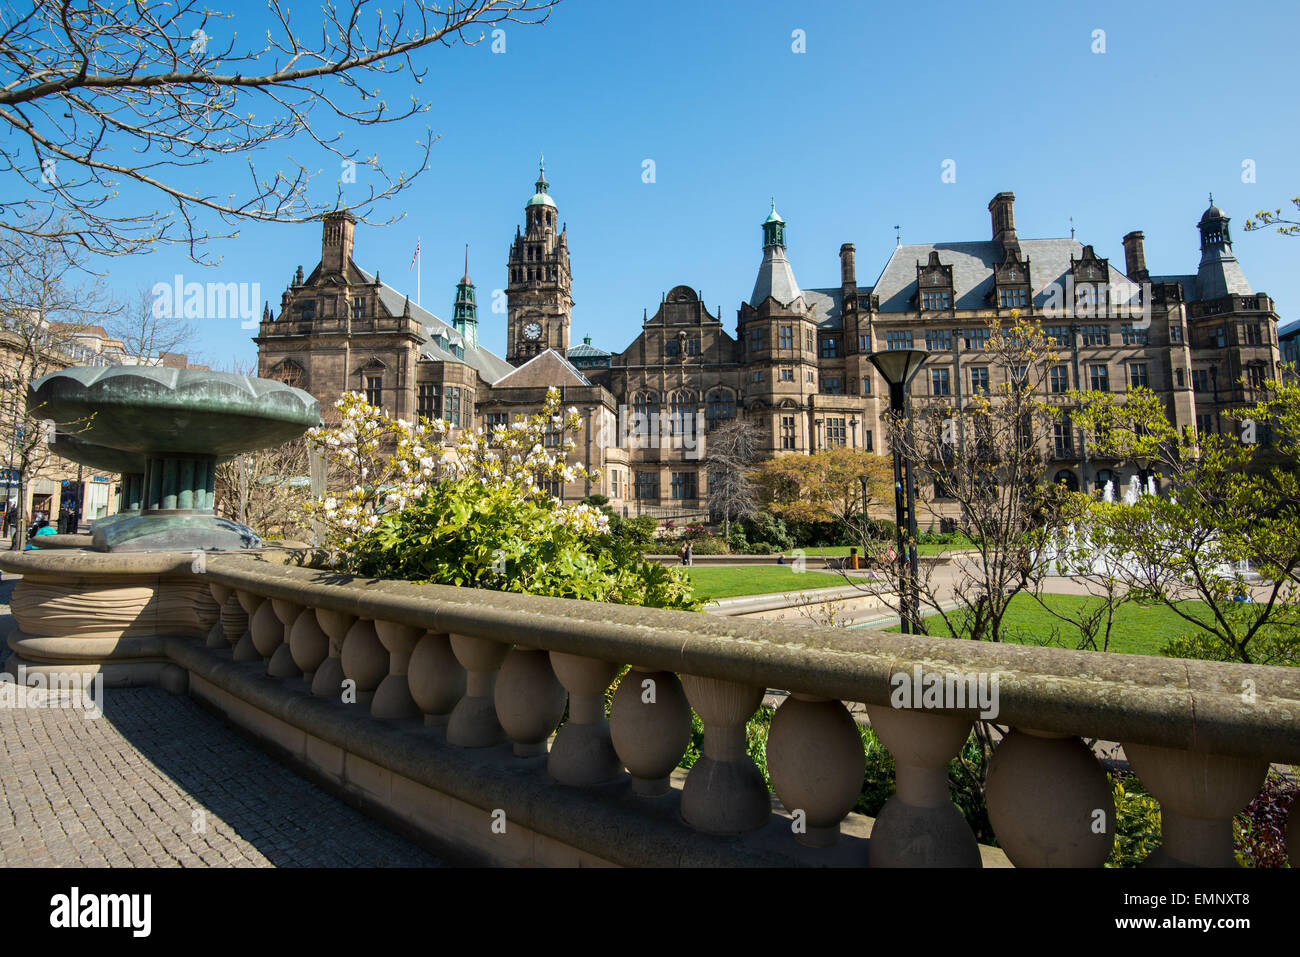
(1138, 629)
(727, 581)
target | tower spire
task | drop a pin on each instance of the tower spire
(465, 280)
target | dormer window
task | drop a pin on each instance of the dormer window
(1014, 298)
(934, 280)
(936, 299)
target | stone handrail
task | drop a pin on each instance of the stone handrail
(1199, 734)
(484, 668)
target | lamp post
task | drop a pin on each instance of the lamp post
(898, 367)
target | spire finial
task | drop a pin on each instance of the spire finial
(466, 279)
(541, 163)
(1071, 227)
(898, 235)
(1211, 199)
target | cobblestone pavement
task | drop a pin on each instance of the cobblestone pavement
(157, 781)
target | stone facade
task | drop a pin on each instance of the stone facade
(798, 363)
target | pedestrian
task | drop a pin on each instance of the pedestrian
(688, 555)
(42, 528)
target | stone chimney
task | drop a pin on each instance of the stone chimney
(336, 240)
(1135, 257)
(1003, 212)
(848, 274)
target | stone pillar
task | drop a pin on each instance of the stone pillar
(816, 762)
(282, 664)
(650, 727)
(393, 696)
(473, 722)
(529, 700)
(364, 659)
(1199, 795)
(308, 643)
(920, 826)
(724, 792)
(328, 680)
(1049, 801)
(217, 635)
(245, 650)
(582, 753)
(266, 629)
(436, 678)
(234, 620)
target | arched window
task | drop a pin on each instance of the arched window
(645, 409)
(683, 413)
(1068, 479)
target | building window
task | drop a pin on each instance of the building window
(1096, 336)
(647, 486)
(1059, 379)
(811, 377)
(451, 405)
(756, 375)
(693, 347)
(684, 485)
(375, 390)
(787, 337)
(1175, 332)
(1132, 336)
(1218, 338)
(1013, 298)
(1099, 378)
(1137, 375)
(1253, 336)
(1068, 479)
(832, 385)
(787, 431)
(830, 347)
(936, 299)
(683, 418)
(1018, 378)
(939, 384)
(866, 440)
(808, 340)
(756, 339)
(358, 307)
(787, 375)
(1200, 380)
(426, 401)
(670, 347)
(1063, 438)
(898, 339)
(836, 434)
(719, 407)
(307, 309)
(1255, 375)
(976, 338)
(864, 342)
(613, 483)
(866, 385)
(1205, 423)
(1178, 377)
(979, 381)
(937, 340)
(1058, 335)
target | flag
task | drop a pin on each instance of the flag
(414, 256)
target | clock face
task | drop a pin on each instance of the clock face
(533, 331)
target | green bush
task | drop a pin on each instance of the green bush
(764, 527)
(709, 545)
(463, 532)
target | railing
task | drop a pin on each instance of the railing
(492, 667)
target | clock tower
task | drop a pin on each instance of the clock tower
(538, 300)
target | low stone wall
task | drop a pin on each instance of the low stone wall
(414, 698)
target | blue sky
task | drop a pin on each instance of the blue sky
(850, 136)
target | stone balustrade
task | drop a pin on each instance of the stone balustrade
(443, 702)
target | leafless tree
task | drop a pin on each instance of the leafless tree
(137, 96)
(732, 450)
(146, 334)
(46, 298)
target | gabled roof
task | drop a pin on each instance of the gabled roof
(544, 369)
(488, 365)
(972, 272)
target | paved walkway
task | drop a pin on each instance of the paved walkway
(159, 782)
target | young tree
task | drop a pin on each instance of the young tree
(1229, 504)
(732, 450)
(266, 489)
(136, 97)
(145, 334)
(45, 299)
(837, 484)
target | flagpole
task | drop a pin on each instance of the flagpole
(418, 263)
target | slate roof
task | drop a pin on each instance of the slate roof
(830, 303)
(775, 278)
(542, 359)
(972, 274)
(443, 339)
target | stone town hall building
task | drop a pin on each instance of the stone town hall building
(796, 361)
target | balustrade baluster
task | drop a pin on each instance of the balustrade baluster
(436, 678)
(473, 722)
(650, 727)
(282, 664)
(393, 696)
(245, 650)
(529, 700)
(724, 791)
(328, 680)
(364, 659)
(582, 753)
(816, 762)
